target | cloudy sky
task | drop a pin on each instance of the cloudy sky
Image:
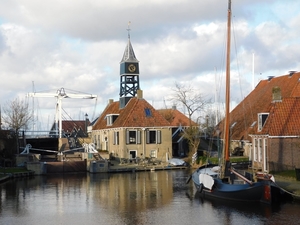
(78, 45)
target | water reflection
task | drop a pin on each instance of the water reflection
(132, 194)
(160, 197)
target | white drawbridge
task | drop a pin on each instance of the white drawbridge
(60, 94)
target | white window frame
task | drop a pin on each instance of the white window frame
(255, 156)
(133, 140)
(265, 154)
(110, 119)
(259, 149)
(116, 138)
(157, 137)
(261, 123)
(153, 153)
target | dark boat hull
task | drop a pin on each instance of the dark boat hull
(256, 192)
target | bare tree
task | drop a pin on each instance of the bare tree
(194, 102)
(16, 116)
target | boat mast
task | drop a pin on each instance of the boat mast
(227, 101)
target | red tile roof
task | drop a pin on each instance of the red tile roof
(132, 115)
(283, 119)
(260, 101)
(69, 125)
(176, 118)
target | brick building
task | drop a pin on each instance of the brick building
(266, 124)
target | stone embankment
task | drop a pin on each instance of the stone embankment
(8, 176)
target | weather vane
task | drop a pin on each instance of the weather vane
(128, 29)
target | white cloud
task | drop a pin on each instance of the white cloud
(78, 45)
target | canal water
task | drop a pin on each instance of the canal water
(158, 197)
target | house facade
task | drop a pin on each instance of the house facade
(135, 131)
(266, 124)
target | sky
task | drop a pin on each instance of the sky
(78, 45)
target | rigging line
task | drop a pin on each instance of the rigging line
(66, 114)
(291, 193)
(76, 92)
(240, 81)
(94, 112)
(222, 73)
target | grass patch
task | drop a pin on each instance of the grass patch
(215, 160)
(239, 159)
(12, 169)
(286, 173)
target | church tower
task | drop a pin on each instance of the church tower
(129, 74)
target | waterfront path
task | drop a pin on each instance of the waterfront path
(116, 166)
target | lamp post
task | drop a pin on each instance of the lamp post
(86, 123)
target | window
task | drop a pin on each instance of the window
(232, 125)
(111, 118)
(133, 154)
(266, 154)
(148, 112)
(262, 117)
(116, 138)
(255, 149)
(259, 149)
(133, 137)
(153, 154)
(153, 137)
(253, 124)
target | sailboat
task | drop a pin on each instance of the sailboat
(220, 181)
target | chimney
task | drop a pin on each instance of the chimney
(139, 94)
(276, 94)
(110, 101)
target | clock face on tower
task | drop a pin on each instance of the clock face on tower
(131, 68)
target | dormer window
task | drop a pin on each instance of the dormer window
(148, 112)
(253, 124)
(232, 125)
(262, 117)
(111, 118)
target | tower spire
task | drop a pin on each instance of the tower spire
(128, 29)
(129, 55)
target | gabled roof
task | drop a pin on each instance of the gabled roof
(137, 113)
(176, 118)
(260, 100)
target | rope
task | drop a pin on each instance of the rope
(286, 190)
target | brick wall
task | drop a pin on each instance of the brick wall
(284, 154)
